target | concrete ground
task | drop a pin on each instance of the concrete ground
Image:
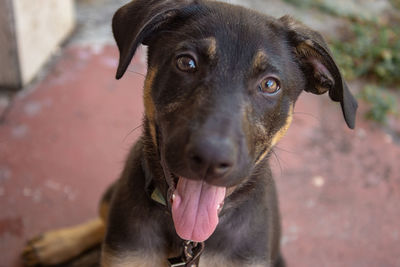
(64, 139)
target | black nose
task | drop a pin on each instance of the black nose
(210, 156)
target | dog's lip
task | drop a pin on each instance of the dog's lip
(176, 175)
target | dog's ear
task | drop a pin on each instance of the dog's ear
(136, 21)
(321, 71)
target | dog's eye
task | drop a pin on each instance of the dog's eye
(186, 63)
(269, 86)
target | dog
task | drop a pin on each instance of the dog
(219, 93)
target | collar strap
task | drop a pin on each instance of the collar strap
(192, 251)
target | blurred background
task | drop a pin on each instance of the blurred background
(66, 126)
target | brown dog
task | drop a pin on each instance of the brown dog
(219, 93)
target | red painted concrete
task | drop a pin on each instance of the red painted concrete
(66, 139)
(63, 142)
(339, 190)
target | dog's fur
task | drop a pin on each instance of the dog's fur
(210, 122)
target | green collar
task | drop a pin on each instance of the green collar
(158, 197)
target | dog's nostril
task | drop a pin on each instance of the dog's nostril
(197, 160)
(210, 156)
(221, 168)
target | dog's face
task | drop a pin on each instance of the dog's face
(220, 91)
(222, 96)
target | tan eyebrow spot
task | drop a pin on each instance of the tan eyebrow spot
(260, 59)
(212, 47)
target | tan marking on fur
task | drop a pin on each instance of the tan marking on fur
(57, 246)
(261, 141)
(260, 60)
(212, 47)
(103, 211)
(172, 106)
(148, 102)
(259, 127)
(111, 259)
(292, 23)
(220, 261)
(309, 42)
(278, 136)
(230, 190)
(306, 49)
(321, 90)
(143, 259)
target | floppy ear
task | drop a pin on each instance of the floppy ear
(136, 21)
(321, 71)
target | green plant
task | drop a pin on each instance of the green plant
(381, 103)
(395, 3)
(373, 52)
(369, 50)
(322, 5)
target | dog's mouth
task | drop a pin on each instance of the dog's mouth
(195, 208)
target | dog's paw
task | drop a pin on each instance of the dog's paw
(29, 255)
(51, 248)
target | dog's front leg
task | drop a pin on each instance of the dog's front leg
(137, 227)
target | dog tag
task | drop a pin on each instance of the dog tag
(179, 262)
(176, 262)
(190, 256)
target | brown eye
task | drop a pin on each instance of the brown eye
(186, 63)
(269, 86)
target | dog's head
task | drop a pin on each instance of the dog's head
(219, 93)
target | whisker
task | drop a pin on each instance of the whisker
(307, 114)
(277, 159)
(285, 150)
(132, 71)
(130, 132)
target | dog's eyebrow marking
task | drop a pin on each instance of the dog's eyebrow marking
(260, 60)
(212, 47)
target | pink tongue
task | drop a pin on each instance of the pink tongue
(195, 209)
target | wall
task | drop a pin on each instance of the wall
(30, 31)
